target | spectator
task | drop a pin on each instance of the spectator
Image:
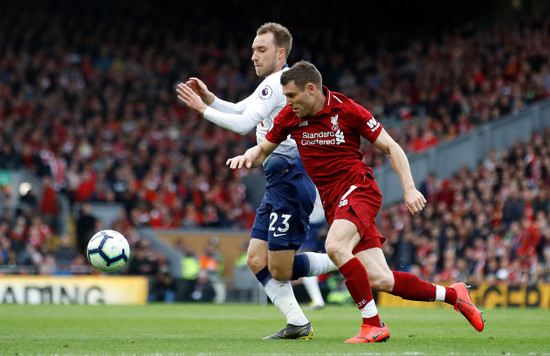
(513, 209)
(144, 262)
(212, 262)
(190, 270)
(428, 188)
(65, 255)
(85, 227)
(9, 159)
(203, 291)
(164, 288)
(39, 234)
(48, 203)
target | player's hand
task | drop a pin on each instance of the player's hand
(238, 162)
(187, 96)
(201, 89)
(415, 201)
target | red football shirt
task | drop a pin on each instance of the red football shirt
(329, 142)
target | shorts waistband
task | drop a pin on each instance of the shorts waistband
(280, 166)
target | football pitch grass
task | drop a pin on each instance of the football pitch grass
(237, 329)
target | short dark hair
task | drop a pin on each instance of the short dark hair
(302, 73)
(281, 35)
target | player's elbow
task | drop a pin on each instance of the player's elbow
(242, 130)
(389, 151)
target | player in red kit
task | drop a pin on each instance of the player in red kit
(328, 126)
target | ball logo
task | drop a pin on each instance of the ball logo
(266, 92)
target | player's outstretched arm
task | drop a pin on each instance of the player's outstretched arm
(222, 113)
(253, 157)
(414, 200)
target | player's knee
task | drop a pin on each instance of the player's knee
(255, 263)
(334, 252)
(331, 249)
(381, 281)
(280, 274)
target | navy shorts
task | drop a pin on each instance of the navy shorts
(282, 219)
(315, 242)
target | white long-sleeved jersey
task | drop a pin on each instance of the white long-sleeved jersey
(258, 110)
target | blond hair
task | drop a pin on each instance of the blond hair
(281, 35)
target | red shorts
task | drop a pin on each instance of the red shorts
(359, 203)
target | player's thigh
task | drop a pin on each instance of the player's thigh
(380, 276)
(256, 258)
(280, 264)
(341, 239)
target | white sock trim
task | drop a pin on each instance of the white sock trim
(319, 263)
(439, 293)
(369, 310)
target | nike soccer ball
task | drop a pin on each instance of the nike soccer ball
(108, 251)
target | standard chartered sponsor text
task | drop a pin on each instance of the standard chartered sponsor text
(321, 134)
(318, 138)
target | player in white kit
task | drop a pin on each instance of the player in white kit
(282, 219)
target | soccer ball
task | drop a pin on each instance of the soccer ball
(108, 251)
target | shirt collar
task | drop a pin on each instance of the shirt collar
(328, 102)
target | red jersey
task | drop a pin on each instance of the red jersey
(329, 142)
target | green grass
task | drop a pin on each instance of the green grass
(236, 329)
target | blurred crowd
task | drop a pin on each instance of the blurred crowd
(489, 224)
(87, 104)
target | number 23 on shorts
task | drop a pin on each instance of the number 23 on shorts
(282, 221)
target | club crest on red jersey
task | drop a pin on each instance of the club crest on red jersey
(334, 121)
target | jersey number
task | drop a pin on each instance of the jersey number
(284, 224)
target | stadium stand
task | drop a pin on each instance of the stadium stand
(87, 103)
(486, 224)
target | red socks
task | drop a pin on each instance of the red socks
(409, 286)
(357, 282)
